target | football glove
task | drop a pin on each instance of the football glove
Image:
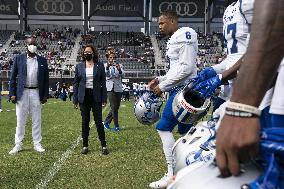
(207, 88)
(204, 75)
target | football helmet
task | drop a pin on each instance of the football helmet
(196, 147)
(208, 176)
(188, 106)
(147, 108)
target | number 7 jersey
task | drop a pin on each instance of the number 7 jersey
(236, 26)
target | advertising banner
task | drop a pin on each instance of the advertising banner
(55, 7)
(117, 8)
(9, 7)
(184, 8)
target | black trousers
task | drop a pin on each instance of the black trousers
(126, 95)
(114, 100)
(96, 108)
(70, 95)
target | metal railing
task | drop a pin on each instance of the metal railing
(147, 74)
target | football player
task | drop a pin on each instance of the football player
(182, 48)
(240, 134)
(256, 74)
(235, 32)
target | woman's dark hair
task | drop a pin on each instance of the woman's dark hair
(95, 52)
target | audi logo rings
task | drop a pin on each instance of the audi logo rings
(54, 6)
(181, 8)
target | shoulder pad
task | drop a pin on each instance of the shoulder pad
(246, 8)
(185, 35)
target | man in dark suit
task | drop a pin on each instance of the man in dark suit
(28, 90)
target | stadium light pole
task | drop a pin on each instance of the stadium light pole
(85, 16)
(205, 16)
(147, 17)
(21, 16)
(25, 5)
(150, 15)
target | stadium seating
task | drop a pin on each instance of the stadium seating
(133, 50)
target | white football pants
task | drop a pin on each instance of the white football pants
(28, 104)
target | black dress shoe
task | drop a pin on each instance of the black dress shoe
(105, 151)
(84, 150)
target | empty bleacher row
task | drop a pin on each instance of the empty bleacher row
(133, 50)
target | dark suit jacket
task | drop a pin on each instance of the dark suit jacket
(19, 76)
(99, 84)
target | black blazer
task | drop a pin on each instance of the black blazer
(99, 84)
(19, 76)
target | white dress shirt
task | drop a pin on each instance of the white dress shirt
(89, 78)
(32, 72)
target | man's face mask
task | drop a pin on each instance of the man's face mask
(32, 48)
(88, 56)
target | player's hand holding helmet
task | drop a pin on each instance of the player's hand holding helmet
(189, 106)
(147, 108)
(207, 88)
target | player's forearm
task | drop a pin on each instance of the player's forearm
(264, 53)
(231, 73)
(220, 68)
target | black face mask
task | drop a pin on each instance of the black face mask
(88, 56)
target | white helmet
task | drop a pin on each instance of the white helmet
(195, 148)
(147, 108)
(188, 106)
(208, 176)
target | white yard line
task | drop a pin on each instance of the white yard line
(59, 163)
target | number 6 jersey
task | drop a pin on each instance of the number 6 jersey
(182, 48)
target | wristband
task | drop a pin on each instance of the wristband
(243, 108)
(238, 113)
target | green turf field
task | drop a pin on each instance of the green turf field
(135, 158)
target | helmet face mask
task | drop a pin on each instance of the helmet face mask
(147, 108)
(189, 107)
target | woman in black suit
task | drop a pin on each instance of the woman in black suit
(91, 94)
